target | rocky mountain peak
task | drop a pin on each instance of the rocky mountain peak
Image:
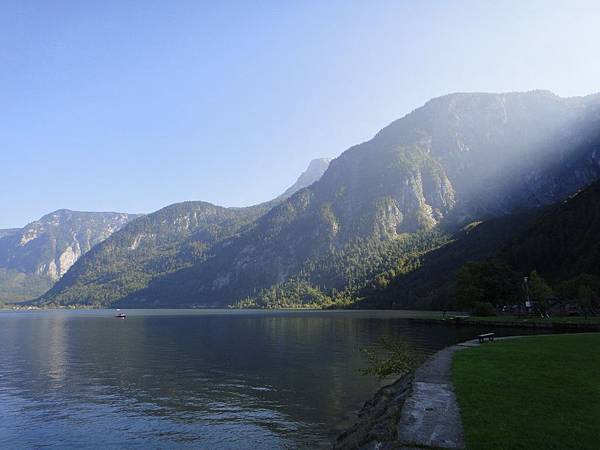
(314, 172)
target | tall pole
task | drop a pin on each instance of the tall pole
(526, 284)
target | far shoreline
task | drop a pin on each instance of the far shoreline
(406, 313)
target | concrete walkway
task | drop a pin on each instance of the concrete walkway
(430, 416)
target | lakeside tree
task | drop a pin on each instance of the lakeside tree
(584, 283)
(539, 289)
(584, 297)
(492, 282)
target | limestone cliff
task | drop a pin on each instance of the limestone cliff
(47, 248)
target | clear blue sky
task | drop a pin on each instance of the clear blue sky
(133, 105)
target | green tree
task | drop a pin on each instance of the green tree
(585, 296)
(491, 282)
(539, 289)
(468, 288)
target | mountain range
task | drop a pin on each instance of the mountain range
(377, 214)
(32, 259)
(8, 232)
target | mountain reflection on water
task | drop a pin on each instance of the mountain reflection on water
(202, 379)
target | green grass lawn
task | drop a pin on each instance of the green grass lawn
(553, 319)
(532, 393)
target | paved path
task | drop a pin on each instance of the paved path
(430, 416)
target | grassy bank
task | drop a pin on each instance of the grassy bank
(553, 319)
(573, 324)
(535, 392)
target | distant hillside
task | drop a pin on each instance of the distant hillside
(8, 232)
(160, 243)
(34, 257)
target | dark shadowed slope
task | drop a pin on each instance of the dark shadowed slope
(560, 242)
(564, 241)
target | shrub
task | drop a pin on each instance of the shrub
(483, 309)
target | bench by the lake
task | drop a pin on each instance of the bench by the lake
(488, 336)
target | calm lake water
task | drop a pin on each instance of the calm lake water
(202, 379)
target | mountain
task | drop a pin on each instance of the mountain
(160, 243)
(8, 232)
(33, 257)
(458, 159)
(313, 173)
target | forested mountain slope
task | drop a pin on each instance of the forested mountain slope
(560, 242)
(563, 242)
(157, 244)
(432, 283)
(458, 159)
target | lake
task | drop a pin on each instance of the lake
(192, 378)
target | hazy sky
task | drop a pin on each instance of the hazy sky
(130, 106)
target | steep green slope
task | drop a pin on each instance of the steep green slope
(158, 244)
(431, 284)
(18, 286)
(564, 241)
(459, 158)
(560, 245)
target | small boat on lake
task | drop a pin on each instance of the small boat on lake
(120, 315)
